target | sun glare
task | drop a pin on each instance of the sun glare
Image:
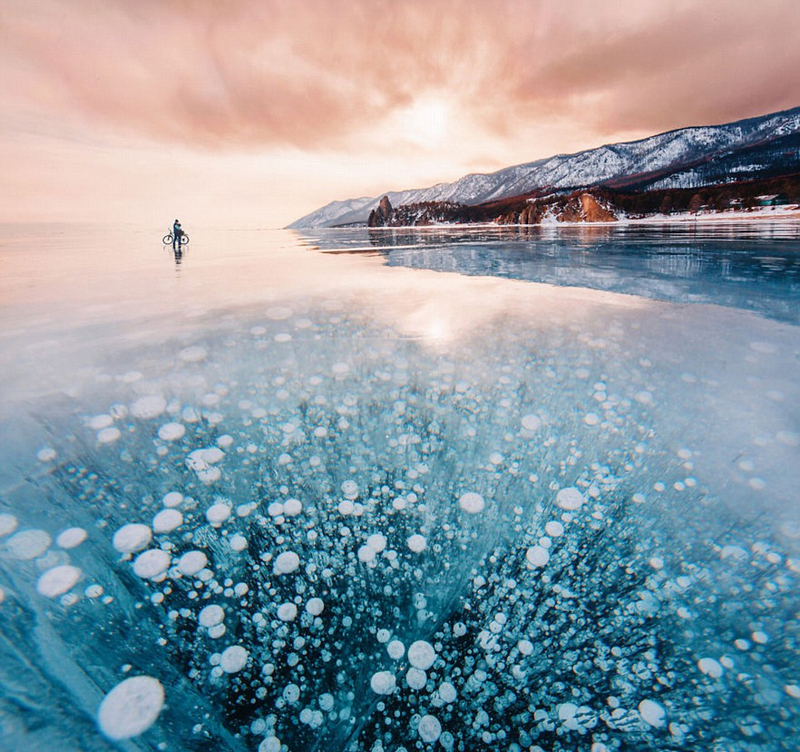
(425, 122)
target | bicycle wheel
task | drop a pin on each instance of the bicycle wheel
(184, 239)
(167, 239)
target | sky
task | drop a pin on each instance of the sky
(251, 113)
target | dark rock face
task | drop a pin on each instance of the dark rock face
(382, 216)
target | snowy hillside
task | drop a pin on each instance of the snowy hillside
(670, 158)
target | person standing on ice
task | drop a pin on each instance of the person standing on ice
(176, 233)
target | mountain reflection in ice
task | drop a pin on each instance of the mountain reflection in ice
(317, 523)
(683, 264)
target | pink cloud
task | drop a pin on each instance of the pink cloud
(318, 73)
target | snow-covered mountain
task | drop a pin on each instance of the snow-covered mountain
(676, 159)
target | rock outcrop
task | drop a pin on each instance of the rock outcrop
(382, 215)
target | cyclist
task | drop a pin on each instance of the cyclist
(177, 232)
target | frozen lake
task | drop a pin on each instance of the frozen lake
(458, 489)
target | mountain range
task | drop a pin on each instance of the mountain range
(755, 149)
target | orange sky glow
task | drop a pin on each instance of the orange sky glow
(251, 113)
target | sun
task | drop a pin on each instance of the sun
(425, 122)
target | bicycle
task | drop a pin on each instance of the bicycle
(167, 239)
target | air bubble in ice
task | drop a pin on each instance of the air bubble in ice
(416, 678)
(238, 542)
(569, 498)
(72, 537)
(211, 615)
(28, 544)
(131, 707)
(537, 556)
(233, 659)
(430, 729)
(471, 502)
(171, 431)
(108, 435)
(447, 692)
(286, 562)
(652, 713)
(218, 513)
(167, 520)
(383, 682)
(421, 654)
(147, 408)
(8, 524)
(192, 562)
(151, 564)
(58, 580)
(315, 606)
(131, 538)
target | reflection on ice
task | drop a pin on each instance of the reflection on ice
(695, 264)
(521, 518)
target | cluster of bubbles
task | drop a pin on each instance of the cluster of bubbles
(336, 540)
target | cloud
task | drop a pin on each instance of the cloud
(320, 74)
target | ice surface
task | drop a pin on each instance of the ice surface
(621, 585)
